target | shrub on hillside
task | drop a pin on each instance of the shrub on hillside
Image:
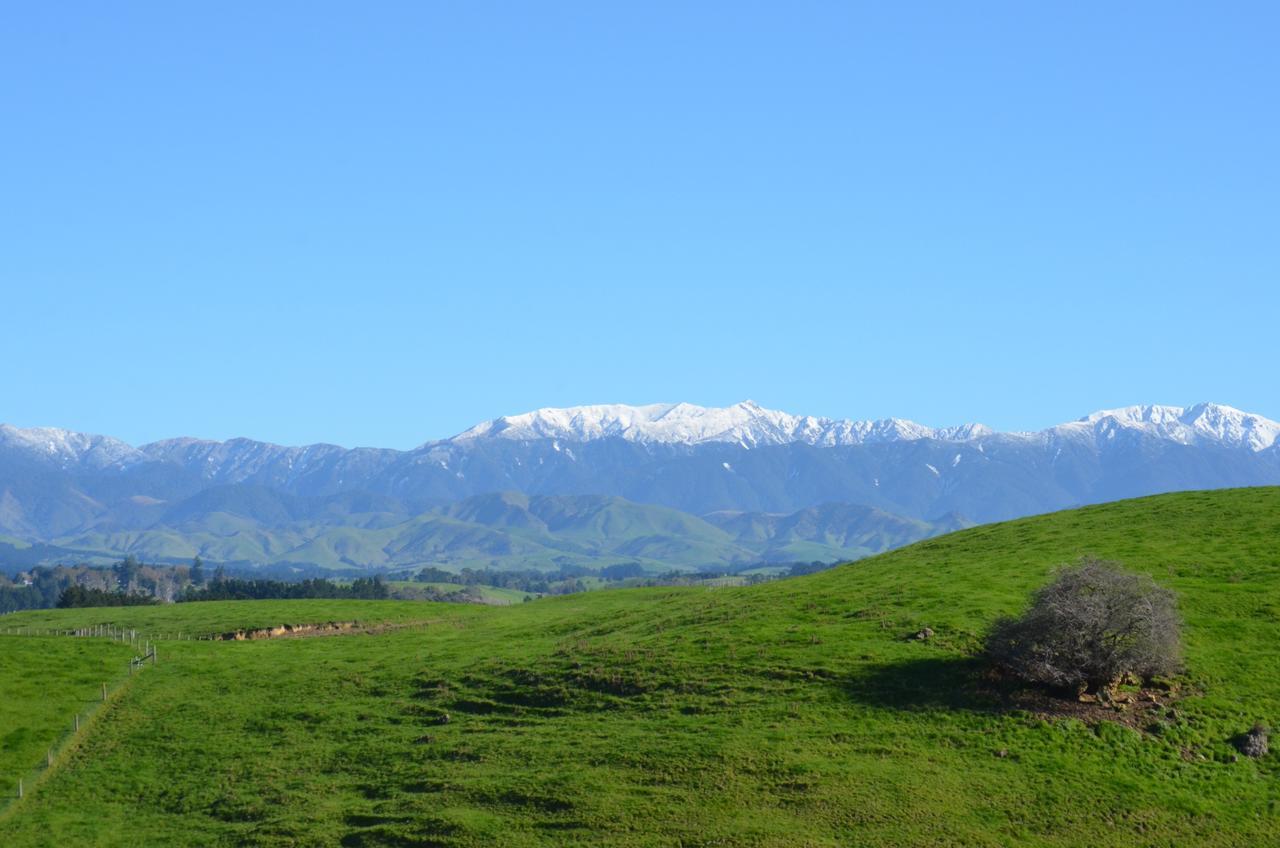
(1092, 625)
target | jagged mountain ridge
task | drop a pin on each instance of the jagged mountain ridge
(742, 458)
(746, 424)
(750, 425)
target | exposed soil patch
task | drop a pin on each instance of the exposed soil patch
(330, 628)
(1137, 709)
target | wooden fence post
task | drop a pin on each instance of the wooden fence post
(104, 691)
(19, 787)
(77, 722)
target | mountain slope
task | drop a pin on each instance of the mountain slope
(747, 424)
(252, 525)
(821, 532)
(55, 484)
(793, 713)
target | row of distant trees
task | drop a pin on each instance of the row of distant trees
(79, 596)
(45, 586)
(563, 581)
(568, 578)
(222, 588)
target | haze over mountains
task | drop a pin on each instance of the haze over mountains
(657, 484)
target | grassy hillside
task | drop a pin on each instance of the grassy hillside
(505, 530)
(791, 713)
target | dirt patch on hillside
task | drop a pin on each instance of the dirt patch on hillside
(1139, 709)
(329, 628)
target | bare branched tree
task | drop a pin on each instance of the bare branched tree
(1093, 624)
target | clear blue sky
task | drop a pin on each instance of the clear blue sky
(378, 223)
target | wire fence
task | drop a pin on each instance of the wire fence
(145, 644)
(104, 631)
(77, 724)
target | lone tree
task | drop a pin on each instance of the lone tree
(1092, 625)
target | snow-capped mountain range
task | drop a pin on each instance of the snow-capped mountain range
(745, 424)
(57, 485)
(750, 425)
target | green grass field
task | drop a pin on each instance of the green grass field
(44, 683)
(495, 595)
(789, 713)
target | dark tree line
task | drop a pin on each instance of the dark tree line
(42, 586)
(43, 592)
(14, 598)
(563, 581)
(799, 569)
(80, 596)
(223, 588)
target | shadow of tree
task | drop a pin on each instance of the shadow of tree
(954, 683)
(966, 683)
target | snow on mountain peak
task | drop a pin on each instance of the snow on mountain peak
(67, 447)
(746, 423)
(1190, 425)
(750, 425)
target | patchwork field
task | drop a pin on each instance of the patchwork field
(792, 713)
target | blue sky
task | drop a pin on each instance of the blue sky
(378, 223)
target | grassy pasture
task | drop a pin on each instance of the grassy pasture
(44, 683)
(213, 617)
(790, 713)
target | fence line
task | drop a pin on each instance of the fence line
(146, 643)
(103, 631)
(71, 736)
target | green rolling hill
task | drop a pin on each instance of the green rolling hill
(792, 713)
(248, 525)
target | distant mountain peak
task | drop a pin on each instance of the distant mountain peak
(1197, 424)
(746, 423)
(750, 425)
(67, 447)
(58, 485)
